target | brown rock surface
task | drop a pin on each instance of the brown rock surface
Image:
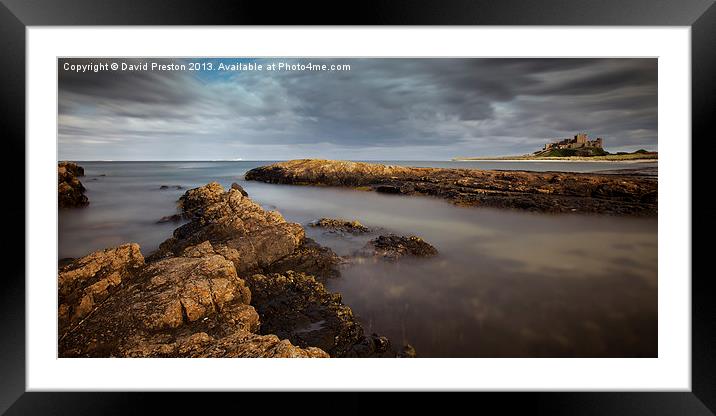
(239, 188)
(341, 225)
(296, 306)
(242, 344)
(70, 191)
(312, 258)
(553, 192)
(256, 240)
(392, 247)
(86, 282)
(192, 305)
(262, 242)
(210, 288)
(194, 286)
(239, 229)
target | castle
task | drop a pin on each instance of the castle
(579, 141)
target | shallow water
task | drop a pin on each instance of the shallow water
(505, 284)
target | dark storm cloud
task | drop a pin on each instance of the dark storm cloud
(380, 109)
(131, 86)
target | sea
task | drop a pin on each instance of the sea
(505, 284)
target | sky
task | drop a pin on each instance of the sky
(377, 109)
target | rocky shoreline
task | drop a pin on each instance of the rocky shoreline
(549, 192)
(234, 281)
(70, 191)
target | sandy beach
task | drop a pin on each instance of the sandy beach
(560, 159)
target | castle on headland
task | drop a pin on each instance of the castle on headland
(577, 142)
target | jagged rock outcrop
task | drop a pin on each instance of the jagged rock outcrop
(554, 192)
(340, 225)
(263, 242)
(255, 240)
(233, 281)
(297, 306)
(392, 247)
(192, 305)
(312, 258)
(70, 191)
(239, 188)
(88, 281)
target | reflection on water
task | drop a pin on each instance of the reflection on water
(506, 284)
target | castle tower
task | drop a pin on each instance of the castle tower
(581, 138)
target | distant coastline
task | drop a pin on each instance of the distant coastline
(595, 159)
(623, 158)
(576, 149)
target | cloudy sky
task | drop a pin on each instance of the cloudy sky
(380, 109)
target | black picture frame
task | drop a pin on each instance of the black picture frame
(15, 15)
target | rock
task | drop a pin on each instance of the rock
(408, 351)
(392, 247)
(197, 198)
(165, 187)
(239, 188)
(373, 346)
(312, 258)
(388, 189)
(84, 283)
(200, 250)
(211, 286)
(382, 344)
(61, 263)
(189, 288)
(191, 305)
(554, 192)
(289, 297)
(298, 307)
(170, 218)
(240, 344)
(239, 229)
(244, 344)
(72, 168)
(341, 225)
(70, 191)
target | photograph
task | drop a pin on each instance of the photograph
(492, 198)
(357, 207)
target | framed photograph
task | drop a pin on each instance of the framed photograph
(448, 198)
